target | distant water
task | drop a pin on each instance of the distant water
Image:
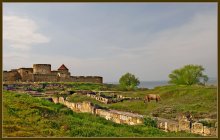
(153, 84)
(147, 84)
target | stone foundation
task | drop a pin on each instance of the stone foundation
(113, 115)
(136, 119)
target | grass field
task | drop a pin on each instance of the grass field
(26, 116)
(200, 101)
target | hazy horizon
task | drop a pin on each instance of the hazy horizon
(210, 79)
(148, 40)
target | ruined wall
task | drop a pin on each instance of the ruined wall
(54, 72)
(113, 115)
(89, 79)
(26, 74)
(11, 76)
(41, 68)
(135, 119)
(184, 125)
(44, 78)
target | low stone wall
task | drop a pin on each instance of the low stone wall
(184, 125)
(107, 99)
(113, 115)
(136, 119)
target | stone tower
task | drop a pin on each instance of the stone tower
(41, 69)
(63, 71)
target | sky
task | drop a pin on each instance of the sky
(149, 40)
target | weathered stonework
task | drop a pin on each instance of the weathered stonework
(43, 73)
(197, 128)
(11, 75)
(26, 74)
(184, 125)
(136, 119)
(172, 127)
(113, 115)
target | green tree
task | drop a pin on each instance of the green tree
(128, 81)
(188, 75)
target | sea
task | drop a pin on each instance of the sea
(153, 84)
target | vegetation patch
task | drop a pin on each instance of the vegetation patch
(35, 117)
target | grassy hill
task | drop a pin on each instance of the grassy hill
(26, 116)
(201, 101)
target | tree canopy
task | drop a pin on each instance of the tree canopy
(188, 75)
(128, 81)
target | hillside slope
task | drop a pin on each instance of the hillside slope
(26, 116)
(200, 101)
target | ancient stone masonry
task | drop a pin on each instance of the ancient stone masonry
(43, 73)
(185, 125)
(106, 99)
(113, 115)
(136, 119)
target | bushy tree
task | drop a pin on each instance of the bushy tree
(128, 81)
(188, 75)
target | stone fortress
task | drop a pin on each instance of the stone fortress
(43, 73)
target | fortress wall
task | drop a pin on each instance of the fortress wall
(42, 72)
(26, 74)
(54, 72)
(64, 79)
(5, 75)
(41, 68)
(89, 79)
(11, 76)
(44, 78)
(64, 75)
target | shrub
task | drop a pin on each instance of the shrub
(39, 90)
(150, 122)
(128, 81)
(208, 124)
(188, 75)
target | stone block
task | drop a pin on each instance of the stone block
(115, 117)
(172, 127)
(213, 131)
(61, 100)
(197, 128)
(216, 124)
(160, 125)
(139, 120)
(72, 106)
(184, 125)
(55, 100)
(206, 131)
(165, 126)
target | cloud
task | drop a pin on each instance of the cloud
(117, 46)
(22, 32)
(194, 42)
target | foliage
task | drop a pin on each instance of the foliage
(150, 122)
(39, 90)
(35, 117)
(128, 81)
(44, 85)
(208, 124)
(188, 75)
